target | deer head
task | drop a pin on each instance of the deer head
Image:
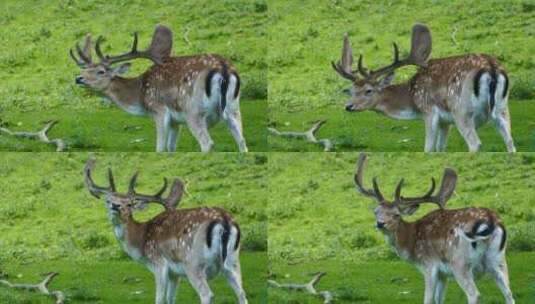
(369, 85)
(122, 205)
(98, 75)
(388, 213)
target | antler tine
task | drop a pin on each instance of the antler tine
(93, 188)
(132, 184)
(83, 56)
(420, 51)
(428, 197)
(87, 47)
(144, 198)
(132, 54)
(374, 193)
(343, 66)
(361, 68)
(98, 50)
(78, 61)
(111, 180)
(397, 194)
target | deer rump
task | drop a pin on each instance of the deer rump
(221, 78)
(487, 80)
(483, 230)
(219, 236)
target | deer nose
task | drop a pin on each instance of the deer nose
(349, 108)
(380, 225)
(79, 80)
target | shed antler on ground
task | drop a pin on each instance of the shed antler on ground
(309, 135)
(41, 135)
(309, 287)
(41, 287)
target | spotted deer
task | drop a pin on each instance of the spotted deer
(195, 243)
(195, 90)
(460, 242)
(466, 90)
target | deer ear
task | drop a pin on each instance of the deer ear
(409, 209)
(387, 80)
(122, 69)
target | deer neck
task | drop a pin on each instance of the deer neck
(130, 234)
(127, 94)
(396, 102)
(402, 238)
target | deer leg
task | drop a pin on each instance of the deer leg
(234, 279)
(162, 128)
(172, 285)
(431, 126)
(465, 279)
(467, 128)
(199, 282)
(161, 277)
(503, 125)
(172, 137)
(430, 278)
(443, 130)
(199, 129)
(440, 289)
(501, 277)
(235, 126)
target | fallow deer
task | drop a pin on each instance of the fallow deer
(195, 243)
(460, 242)
(466, 90)
(195, 90)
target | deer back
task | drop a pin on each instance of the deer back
(173, 83)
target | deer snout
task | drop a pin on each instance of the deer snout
(350, 107)
(380, 225)
(79, 80)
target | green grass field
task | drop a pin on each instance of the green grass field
(305, 36)
(318, 221)
(51, 223)
(111, 129)
(37, 74)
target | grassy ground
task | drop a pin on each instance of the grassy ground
(126, 282)
(317, 221)
(51, 223)
(370, 131)
(395, 282)
(111, 129)
(304, 36)
(37, 74)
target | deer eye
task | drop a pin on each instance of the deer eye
(101, 72)
(368, 92)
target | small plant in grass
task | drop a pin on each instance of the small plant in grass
(255, 237)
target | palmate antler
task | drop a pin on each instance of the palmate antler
(449, 181)
(159, 49)
(169, 202)
(420, 51)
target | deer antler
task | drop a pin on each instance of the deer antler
(375, 192)
(170, 202)
(449, 181)
(85, 54)
(420, 51)
(159, 49)
(343, 66)
(93, 188)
